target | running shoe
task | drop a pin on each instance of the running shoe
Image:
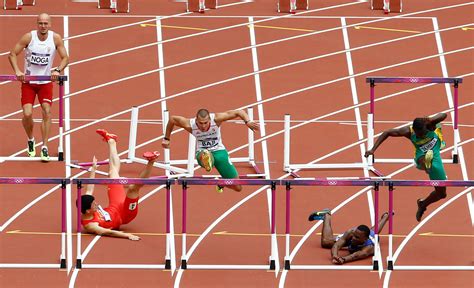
(206, 159)
(31, 148)
(106, 136)
(318, 215)
(219, 189)
(44, 154)
(150, 156)
(420, 211)
(428, 159)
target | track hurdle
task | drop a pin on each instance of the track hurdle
(327, 182)
(61, 80)
(17, 4)
(410, 80)
(116, 6)
(200, 5)
(290, 168)
(191, 162)
(273, 259)
(170, 254)
(418, 183)
(387, 5)
(62, 257)
(290, 6)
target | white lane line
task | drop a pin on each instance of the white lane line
(67, 152)
(457, 136)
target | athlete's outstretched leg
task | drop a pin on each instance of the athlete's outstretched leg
(327, 236)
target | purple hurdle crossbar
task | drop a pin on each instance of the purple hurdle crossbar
(222, 182)
(419, 80)
(105, 181)
(62, 182)
(319, 182)
(61, 80)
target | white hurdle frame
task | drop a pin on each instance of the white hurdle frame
(288, 167)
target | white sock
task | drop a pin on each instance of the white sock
(32, 139)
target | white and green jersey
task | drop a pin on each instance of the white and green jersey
(210, 139)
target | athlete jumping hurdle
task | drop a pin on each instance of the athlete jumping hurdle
(425, 134)
(206, 127)
(123, 207)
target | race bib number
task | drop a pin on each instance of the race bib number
(429, 145)
(39, 59)
(132, 206)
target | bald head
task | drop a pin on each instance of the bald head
(44, 23)
(44, 17)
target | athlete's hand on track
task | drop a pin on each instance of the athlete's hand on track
(133, 237)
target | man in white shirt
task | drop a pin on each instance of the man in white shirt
(40, 46)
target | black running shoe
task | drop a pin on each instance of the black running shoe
(31, 148)
(44, 154)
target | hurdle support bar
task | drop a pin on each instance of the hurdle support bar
(61, 80)
(290, 6)
(413, 80)
(288, 167)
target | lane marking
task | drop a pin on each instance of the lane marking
(175, 27)
(284, 28)
(386, 29)
(467, 28)
(432, 234)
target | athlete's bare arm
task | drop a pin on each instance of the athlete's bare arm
(395, 132)
(175, 121)
(12, 58)
(232, 114)
(94, 228)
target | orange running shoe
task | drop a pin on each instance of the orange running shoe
(106, 136)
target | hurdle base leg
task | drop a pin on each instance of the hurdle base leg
(375, 265)
(78, 263)
(168, 264)
(272, 265)
(287, 264)
(62, 264)
(390, 265)
(184, 264)
(455, 158)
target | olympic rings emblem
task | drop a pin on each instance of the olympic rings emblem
(413, 80)
(123, 181)
(434, 183)
(18, 181)
(228, 182)
(332, 183)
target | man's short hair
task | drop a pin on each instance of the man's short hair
(364, 229)
(202, 113)
(419, 125)
(86, 202)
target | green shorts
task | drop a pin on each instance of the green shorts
(437, 169)
(223, 164)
